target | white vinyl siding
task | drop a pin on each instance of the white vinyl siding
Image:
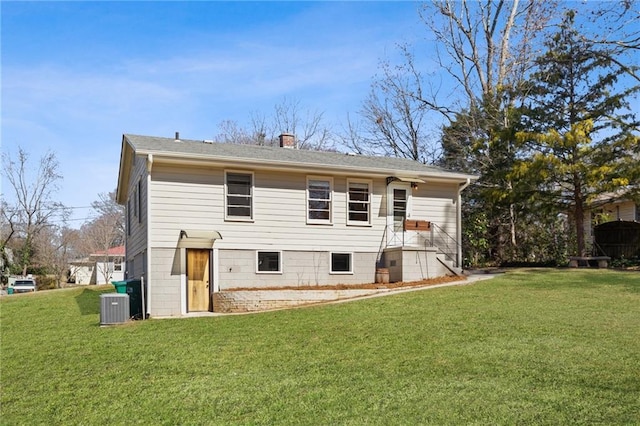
(238, 196)
(136, 241)
(358, 202)
(193, 198)
(319, 200)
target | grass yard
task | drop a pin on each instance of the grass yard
(529, 347)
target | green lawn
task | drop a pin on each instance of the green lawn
(529, 347)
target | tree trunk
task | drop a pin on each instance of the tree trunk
(579, 219)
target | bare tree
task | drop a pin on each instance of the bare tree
(353, 137)
(305, 124)
(33, 207)
(231, 132)
(396, 118)
(107, 207)
(288, 117)
(618, 24)
(487, 47)
(104, 232)
(56, 248)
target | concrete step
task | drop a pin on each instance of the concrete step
(442, 258)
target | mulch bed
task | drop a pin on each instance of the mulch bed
(372, 286)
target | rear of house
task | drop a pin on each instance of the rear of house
(207, 217)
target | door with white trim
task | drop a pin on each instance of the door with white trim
(398, 209)
(198, 279)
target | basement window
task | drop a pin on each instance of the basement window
(269, 262)
(341, 263)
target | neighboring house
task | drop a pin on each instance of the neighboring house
(607, 208)
(101, 267)
(205, 217)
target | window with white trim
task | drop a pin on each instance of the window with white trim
(319, 200)
(239, 196)
(117, 264)
(358, 202)
(268, 262)
(341, 263)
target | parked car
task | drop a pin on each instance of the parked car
(26, 285)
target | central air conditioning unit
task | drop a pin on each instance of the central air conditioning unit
(114, 308)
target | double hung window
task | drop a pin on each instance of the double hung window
(239, 196)
(319, 200)
(359, 202)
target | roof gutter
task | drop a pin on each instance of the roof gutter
(464, 186)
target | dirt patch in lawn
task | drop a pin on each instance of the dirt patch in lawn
(372, 286)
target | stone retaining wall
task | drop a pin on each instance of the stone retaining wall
(263, 300)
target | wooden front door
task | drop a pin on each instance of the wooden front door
(198, 277)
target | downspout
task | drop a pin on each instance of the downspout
(148, 221)
(461, 188)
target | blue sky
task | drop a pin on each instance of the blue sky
(77, 75)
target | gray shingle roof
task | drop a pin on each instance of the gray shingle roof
(284, 156)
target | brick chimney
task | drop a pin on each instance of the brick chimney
(287, 140)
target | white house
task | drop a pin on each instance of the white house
(101, 267)
(609, 207)
(205, 217)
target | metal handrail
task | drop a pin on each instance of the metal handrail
(439, 241)
(436, 237)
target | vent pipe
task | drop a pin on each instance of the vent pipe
(177, 136)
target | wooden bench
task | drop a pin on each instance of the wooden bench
(577, 261)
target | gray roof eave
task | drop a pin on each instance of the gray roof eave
(169, 157)
(170, 151)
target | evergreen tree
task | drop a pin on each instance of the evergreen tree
(580, 128)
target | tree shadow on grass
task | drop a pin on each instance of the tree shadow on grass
(89, 302)
(579, 278)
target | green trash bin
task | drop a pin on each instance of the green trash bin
(134, 290)
(121, 286)
(136, 297)
(9, 290)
